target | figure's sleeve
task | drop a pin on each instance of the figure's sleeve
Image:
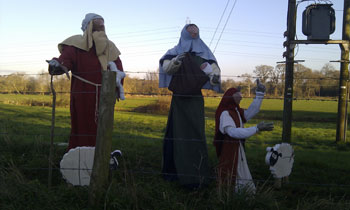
(227, 126)
(225, 121)
(254, 107)
(67, 57)
(217, 73)
(119, 64)
(171, 66)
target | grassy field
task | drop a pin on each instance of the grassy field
(319, 179)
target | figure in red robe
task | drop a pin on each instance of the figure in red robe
(230, 135)
(86, 56)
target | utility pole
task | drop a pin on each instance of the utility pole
(344, 76)
(288, 88)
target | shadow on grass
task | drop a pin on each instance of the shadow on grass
(299, 116)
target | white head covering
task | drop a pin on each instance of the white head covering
(88, 18)
(105, 49)
(187, 44)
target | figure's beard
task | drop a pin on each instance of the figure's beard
(100, 39)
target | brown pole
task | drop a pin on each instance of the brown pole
(288, 88)
(100, 171)
(344, 76)
(52, 131)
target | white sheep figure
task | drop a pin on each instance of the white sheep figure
(280, 158)
(76, 165)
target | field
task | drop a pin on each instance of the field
(319, 179)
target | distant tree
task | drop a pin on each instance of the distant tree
(228, 83)
(43, 82)
(147, 85)
(328, 70)
(3, 83)
(277, 78)
(31, 84)
(329, 80)
(300, 78)
(263, 72)
(150, 83)
(247, 84)
(62, 86)
(17, 83)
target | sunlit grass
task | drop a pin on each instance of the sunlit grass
(25, 134)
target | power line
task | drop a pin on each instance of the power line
(153, 94)
(222, 15)
(234, 4)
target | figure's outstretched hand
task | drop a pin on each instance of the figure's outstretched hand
(260, 87)
(179, 57)
(265, 126)
(55, 68)
(53, 63)
(112, 66)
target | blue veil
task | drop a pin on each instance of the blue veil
(187, 44)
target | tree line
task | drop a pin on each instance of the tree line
(307, 82)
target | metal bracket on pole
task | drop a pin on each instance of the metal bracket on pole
(295, 61)
(339, 61)
(344, 46)
(342, 42)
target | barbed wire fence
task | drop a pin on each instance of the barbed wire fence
(21, 134)
(229, 78)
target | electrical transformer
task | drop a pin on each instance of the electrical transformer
(318, 21)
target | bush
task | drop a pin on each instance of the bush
(161, 106)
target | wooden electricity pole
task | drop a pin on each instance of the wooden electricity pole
(344, 71)
(344, 76)
(288, 88)
(100, 171)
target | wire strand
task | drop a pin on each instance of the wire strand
(234, 4)
(222, 15)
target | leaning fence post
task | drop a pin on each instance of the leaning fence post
(100, 171)
(52, 131)
(278, 183)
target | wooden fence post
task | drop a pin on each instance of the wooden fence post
(100, 172)
(52, 132)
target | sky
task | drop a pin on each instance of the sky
(250, 35)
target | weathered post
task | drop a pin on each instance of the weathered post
(100, 172)
(52, 131)
(344, 75)
(288, 88)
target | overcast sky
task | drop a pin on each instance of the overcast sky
(144, 30)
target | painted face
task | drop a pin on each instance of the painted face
(193, 30)
(98, 25)
(237, 97)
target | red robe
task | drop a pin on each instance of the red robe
(227, 148)
(83, 95)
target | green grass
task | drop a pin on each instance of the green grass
(319, 179)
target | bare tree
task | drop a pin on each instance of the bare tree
(263, 72)
(228, 83)
(329, 80)
(277, 77)
(44, 82)
(247, 83)
(17, 83)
